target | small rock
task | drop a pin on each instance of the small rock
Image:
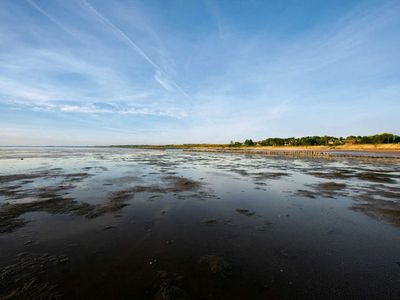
(162, 274)
(63, 259)
(209, 221)
(216, 265)
(244, 211)
(109, 227)
(153, 262)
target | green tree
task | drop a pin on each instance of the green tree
(249, 142)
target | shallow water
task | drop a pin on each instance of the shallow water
(90, 223)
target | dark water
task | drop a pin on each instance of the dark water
(89, 223)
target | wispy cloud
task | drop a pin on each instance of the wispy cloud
(163, 81)
(50, 17)
(98, 108)
(159, 75)
(119, 33)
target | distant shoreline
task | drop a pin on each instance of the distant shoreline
(363, 147)
(364, 151)
(380, 151)
(314, 152)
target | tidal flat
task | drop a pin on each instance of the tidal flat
(111, 223)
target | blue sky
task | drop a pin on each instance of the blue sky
(92, 72)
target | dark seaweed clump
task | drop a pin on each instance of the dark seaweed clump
(25, 278)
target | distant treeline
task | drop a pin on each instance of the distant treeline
(384, 138)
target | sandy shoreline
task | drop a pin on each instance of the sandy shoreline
(353, 151)
(368, 147)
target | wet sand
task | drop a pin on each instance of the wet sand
(99, 223)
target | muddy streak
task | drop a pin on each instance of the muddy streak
(11, 214)
(50, 200)
(16, 177)
(325, 189)
(379, 208)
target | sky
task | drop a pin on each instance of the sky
(99, 72)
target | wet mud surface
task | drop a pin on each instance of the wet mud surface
(98, 223)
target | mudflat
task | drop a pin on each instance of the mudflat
(111, 223)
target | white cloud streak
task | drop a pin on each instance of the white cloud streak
(159, 74)
(51, 18)
(98, 108)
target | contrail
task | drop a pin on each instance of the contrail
(132, 45)
(120, 34)
(42, 11)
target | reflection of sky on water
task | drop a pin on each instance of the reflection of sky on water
(331, 231)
